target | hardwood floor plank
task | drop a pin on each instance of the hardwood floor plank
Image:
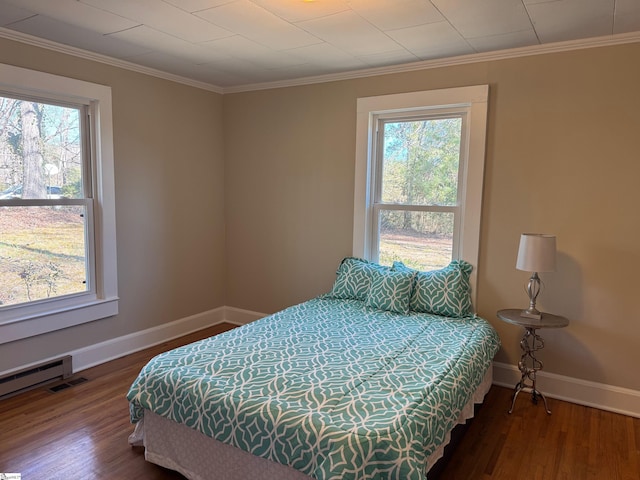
(574, 443)
(81, 433)
(633, 442)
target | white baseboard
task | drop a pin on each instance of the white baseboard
(111, 349)
(241, 317)
(102, 352)
(574, 390)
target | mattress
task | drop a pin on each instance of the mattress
(329, 388)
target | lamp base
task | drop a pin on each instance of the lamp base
(535, 314)
(533, 289)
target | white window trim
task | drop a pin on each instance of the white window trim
(474, 99)
(42, 317)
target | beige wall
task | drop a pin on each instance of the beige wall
(169, 202)
(562, 158)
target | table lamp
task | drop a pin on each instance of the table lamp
(537, 253)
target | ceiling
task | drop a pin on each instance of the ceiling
(228, 44)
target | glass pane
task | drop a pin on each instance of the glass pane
(420, 161)
(40, 150)
(421, 240)
(42, 253)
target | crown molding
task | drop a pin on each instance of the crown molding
(105, 59)
(557, 47)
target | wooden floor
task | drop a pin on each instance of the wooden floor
(81, 433)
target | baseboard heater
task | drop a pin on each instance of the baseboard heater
(35, 376)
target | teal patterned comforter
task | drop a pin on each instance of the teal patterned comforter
(330, 387)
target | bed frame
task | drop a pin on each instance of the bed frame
(196, 456)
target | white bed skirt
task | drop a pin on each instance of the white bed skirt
(198, 457)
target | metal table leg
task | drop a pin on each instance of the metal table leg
(531, 343)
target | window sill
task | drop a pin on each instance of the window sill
(64, 317)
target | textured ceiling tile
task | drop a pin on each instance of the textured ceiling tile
(238, 66)
(572, 19)
(197, 5)
(66, 34)
(434, 40)
(208, 73)
(258, 24)
(163, 60)
(627, 16)
(474, 18)
(394, 14)
(163, 17)
(389, 58)
(351, 33)
(303, 70)
(245, 49)
(76, 13)
(326, 55)
(300, 10)
(296, 71)
(235, 67)
(239, 42)
(154, 40)
(10, 14)
(312, 70)
(504, 41)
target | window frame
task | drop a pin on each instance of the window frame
(470, 101)
(101, 299)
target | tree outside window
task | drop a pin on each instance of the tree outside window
(43, 209)
(417, 197)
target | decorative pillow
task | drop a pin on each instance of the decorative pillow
(354, 278)
(390, 290)
(443, 292)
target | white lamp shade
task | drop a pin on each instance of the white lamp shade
(537, 253)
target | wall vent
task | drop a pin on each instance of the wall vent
(18, 382)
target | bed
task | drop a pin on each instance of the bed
(355, 384)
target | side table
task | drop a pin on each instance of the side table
(531, 342)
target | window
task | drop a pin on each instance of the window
(47, 201)
(57, 213)
(419, 175)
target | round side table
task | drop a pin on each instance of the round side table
(531, 343)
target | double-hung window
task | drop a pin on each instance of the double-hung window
(419, 176)
(57, 229)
